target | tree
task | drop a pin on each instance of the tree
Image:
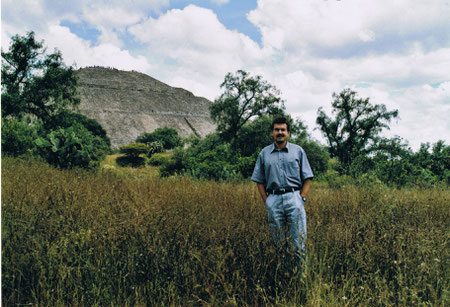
(436, 162)
(356, 126)
(35, 83)
(244, 97)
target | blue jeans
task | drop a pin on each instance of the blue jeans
(287, 221)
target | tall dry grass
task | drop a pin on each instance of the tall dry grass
(78, 238)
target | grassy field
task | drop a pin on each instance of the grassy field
(126, 237)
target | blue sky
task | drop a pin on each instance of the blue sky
(395, 52)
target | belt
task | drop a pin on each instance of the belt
(282, 190)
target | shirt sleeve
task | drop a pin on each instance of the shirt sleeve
(306, 171)
(258, 171)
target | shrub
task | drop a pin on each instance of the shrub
(130, 161)
(133, 154)
(72, 147)
(217, 163)
(18, 136)
(154, 147)
(158, 159)
(67, 118)
(175, 164)
(245, 165)
(167, 136)
(134, 149)
(335, 180)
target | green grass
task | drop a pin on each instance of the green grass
(127, 237)
(109, 164)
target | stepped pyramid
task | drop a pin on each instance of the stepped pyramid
(129, 103)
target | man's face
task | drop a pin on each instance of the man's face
(280, 133)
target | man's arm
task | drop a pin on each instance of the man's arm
(305, 187)
(262, 191)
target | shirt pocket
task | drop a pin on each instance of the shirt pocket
(293, 168)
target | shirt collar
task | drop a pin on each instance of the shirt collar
(286, 148)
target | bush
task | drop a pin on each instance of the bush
(67, 118)
(175, 164)
(210, 142)
(246, 165)
(72, 147)
(130, 161)
(167, 136)
(217, 163)
(18, 136)
(154, 147)
(368, 180)
(158, 159)
(133, 154)
(134, 149)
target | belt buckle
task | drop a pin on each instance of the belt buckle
(283, 190)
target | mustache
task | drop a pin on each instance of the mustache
(280, 135)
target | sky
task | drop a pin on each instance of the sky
(396, 52)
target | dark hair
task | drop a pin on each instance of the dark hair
(280, 120)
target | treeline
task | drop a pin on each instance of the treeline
(39, 118)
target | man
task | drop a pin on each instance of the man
(283, 177)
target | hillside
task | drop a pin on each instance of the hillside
(129, 103)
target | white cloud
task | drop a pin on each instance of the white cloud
(366, 35)
(112, 17)
(78, 51)
(204, 50)
(312, 24)
(424, 112)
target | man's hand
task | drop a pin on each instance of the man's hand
(305, 187)
(262, 191)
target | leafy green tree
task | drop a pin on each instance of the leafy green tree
(356, 126)
(34, 82)
(435, 159)
(244, 98)
(390, 163)
(167, 136)
(253, 136)
(208, 143)
(318, 155)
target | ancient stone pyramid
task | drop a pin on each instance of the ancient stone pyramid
(129, 103)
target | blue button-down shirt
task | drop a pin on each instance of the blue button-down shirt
(288, 167)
